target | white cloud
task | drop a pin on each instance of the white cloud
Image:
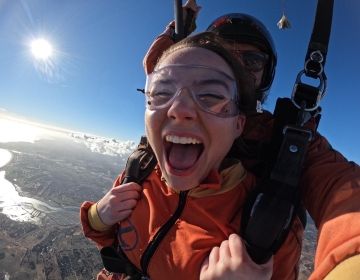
(20, 130)
(103, 145)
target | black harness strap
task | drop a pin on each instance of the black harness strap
(117, 262)
(315, 59)
(271, 208)
(138, 166)
(320, 37)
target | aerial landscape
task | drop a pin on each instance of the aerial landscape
(41, 189)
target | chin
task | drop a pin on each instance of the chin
(181, 184)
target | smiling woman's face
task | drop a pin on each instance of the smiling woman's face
(188, 141)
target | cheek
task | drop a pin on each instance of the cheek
(224, 133)
(150, 123)
(258, 78)
(153, 123)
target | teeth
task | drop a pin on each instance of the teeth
(181, 140)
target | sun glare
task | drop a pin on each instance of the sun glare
(41, 49)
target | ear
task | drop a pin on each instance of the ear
(240, 124)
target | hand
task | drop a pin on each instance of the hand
(118, 203)
(230, 261)
(191, 4)
(190, 26)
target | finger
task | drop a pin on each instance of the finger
(118, 212)
(126, 205)
(120, 197)
(127, 187)
(266, 267)
(246, 258)
(214, 256)
(224, 250)
(188, 2)
(191, 4)
(114, 201)
(236, 246)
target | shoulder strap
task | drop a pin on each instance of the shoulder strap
(270, 209)
(140, 163)
(138, 167)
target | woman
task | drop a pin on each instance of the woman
(196, 101)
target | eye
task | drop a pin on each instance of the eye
(160, 94)
(160, 97)
(210, 98)
(252, 59)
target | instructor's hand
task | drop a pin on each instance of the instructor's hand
(191, 4)
(118, 203)
(230, 261)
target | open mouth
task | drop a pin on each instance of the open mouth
(182, 152)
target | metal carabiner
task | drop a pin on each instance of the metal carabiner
(320, 89)
(313, 66)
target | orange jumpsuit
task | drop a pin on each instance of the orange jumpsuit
(212, 212)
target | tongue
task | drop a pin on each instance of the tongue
(183, 156)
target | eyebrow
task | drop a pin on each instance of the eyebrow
(166, 82)
(214, 82)
(200, 83)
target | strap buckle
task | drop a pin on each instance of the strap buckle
(308, 93)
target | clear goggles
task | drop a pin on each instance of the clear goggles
(213, 91)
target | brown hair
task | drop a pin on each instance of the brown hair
(244, 81)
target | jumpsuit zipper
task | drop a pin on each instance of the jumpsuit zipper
(160, 234)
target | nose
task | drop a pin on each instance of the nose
(183, 107)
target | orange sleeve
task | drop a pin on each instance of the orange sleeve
(157, 48)
(331, 191)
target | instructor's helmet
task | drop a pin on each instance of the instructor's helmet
(243, 28)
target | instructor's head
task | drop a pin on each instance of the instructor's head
(250, 41)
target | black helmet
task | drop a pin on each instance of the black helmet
(244, 28)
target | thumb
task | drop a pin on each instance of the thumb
(247, 257)
(238, 249)
(265, 268)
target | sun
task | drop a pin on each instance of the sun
(46, 58)
(41, 49)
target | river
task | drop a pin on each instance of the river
(27, 209)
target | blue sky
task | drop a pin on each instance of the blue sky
(90, 83)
